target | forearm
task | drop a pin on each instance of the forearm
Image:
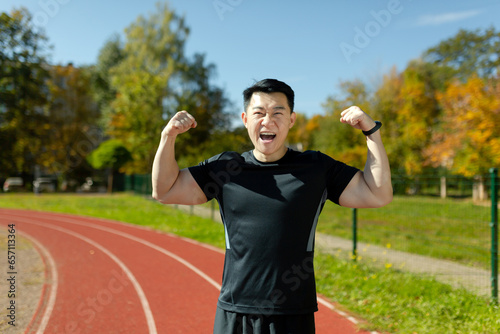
(165, 168)
(377, 173)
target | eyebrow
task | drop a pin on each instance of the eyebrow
(274, 108)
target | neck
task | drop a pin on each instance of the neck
(262, 157)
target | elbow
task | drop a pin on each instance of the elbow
(159, 197)
(385, 199)
(155, 196)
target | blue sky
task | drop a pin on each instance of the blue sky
(311, 45)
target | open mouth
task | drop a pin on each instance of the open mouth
(267, 136)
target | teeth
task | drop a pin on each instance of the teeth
(267, 134)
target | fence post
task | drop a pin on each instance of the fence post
(494, 233)
(354, 234)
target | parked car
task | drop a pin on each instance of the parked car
(13, 184)
(44, 184)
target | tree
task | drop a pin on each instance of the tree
(208, 104)
(416, 117)
(70, 131)
(336, 139)
(298, 135)
(467, 142)
(110, 56)
(468, 53)
(153, 79)
(23, 72)
(152, 53)
(388, 101)
(111, 155)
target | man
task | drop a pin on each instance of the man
(270, 199)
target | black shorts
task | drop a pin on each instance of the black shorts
(236, 323)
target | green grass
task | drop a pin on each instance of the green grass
(389, 300)
(122, 207)
(456, 230)
(399, 302)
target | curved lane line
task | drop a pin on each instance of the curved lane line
(142, 296)
(146, 243)
(53, 289)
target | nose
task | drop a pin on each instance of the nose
(267, 120)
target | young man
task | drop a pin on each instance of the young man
(270, 199)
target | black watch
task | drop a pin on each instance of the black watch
(377, 126)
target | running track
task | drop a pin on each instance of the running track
(105, 276)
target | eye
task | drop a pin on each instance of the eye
(258, 112)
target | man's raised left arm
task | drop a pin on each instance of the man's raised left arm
(371, 188)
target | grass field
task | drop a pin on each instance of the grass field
(456, 230)
(389, 300)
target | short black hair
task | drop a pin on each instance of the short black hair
(269, 86)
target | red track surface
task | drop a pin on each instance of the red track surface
(111, 277)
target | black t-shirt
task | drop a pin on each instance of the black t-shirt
(270, 212)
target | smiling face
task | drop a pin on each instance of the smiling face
(268, 120)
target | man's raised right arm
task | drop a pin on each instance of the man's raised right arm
(171, 185)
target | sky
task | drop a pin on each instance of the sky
(311, 45)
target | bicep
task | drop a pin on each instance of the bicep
(357, 194)
(185, 190)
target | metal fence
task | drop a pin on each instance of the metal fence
(139, 184)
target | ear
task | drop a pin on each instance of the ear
(293, 118)
(244, 118)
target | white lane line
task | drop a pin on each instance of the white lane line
(146, 228)
(146, 243)
(53, 285)
(131, 277)
(345, 315)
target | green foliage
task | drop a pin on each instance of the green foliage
(110, 154)
(468, 53)
(144, 82)
(341, 141)
(420, 111)
(22, 78)
(152, 53)
(110, 55)
(70, 132)
(47, 112)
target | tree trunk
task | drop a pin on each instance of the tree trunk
(110, 181)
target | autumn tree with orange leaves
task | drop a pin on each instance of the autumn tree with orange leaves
(468, 142)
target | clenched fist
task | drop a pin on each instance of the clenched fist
(357, 118)
(180, 123)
